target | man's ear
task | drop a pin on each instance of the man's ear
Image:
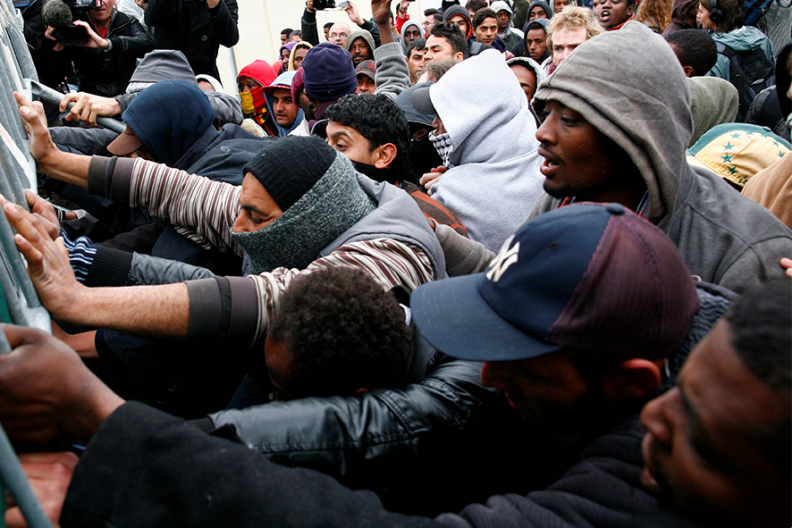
(384, 155)
(689, 71)
(632, 379)
(631, 10)
(459, 56)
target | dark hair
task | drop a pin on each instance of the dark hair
(630, 3)
(483, 14)
(475, 5)
(417, 44)
(535, 25)
(734, 16)
(431, 11)
(286, 31)
(760, 323)
(453, 35)
(296, 32)
(328, 25)
(377, 118)
(438, 17)
(694, 48)
(343, 332)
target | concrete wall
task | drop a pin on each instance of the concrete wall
(261, 21)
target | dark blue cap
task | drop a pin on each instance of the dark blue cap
(588, 277)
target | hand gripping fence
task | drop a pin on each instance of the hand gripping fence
(19, 302)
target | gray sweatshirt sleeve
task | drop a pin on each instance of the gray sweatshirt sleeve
(226, 108)
(463, 256)
(393, 76)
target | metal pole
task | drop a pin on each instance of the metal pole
(45, 93)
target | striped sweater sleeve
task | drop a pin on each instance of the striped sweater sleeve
(205, 207)
(389, 262)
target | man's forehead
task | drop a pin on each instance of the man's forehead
(570, 36)
(436, 41)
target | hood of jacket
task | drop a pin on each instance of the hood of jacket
(284, 81)
(459, 10)
(643, 106)
(544, 22)
(500, 5)
(168, 118)
(260, 71)
(365, 35)
(544, 5)
(746, 38)
(713, 101)
(302, 44)
(163, 65)
(494, 148)
(404, 30)
(397, 217)
(678, 14)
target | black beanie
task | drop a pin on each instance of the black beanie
(291, 166)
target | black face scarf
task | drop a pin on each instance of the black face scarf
(381, 175)
(423, 155)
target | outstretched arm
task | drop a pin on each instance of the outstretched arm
(161, 311)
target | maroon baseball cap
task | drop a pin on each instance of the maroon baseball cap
(589, 277)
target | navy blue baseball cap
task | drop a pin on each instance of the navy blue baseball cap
(588, 277)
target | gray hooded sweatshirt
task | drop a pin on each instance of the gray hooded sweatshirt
(644, 106)
(495, 175)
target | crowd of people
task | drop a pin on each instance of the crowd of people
(514, 264)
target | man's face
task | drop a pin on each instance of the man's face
(411, 34)
(578, 160)
(611, 13)
(703, 19)
(104, 13)
(285, 53)
(428, 24)
(461, 22)
(284, 38)
(543, 389)
(365, 84)
(438, 49)
(703, 448)
(245, 84)
(415, 62)
(527, 79)
(299, 55)
(558, 5)
(565, 41)
(258, 208)
(536, 40)
(503, 20)
(487, 31)
(360, 51)
(339, 34)
(350, 143)
(284, 108)
(537, 12)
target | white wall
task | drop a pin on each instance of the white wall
(261, 21)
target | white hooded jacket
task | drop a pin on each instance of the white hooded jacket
(495, 178)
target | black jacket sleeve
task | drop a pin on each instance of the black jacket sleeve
(310, 32)
(223, 19)
(342, 435)
(146, 468)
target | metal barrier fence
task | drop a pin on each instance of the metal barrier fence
(17, 173)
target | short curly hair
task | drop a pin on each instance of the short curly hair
(377, 118)
(343, 332)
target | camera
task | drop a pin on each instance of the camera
(321, 5)
(60, 15)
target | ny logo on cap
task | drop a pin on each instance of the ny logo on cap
(504, 259)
